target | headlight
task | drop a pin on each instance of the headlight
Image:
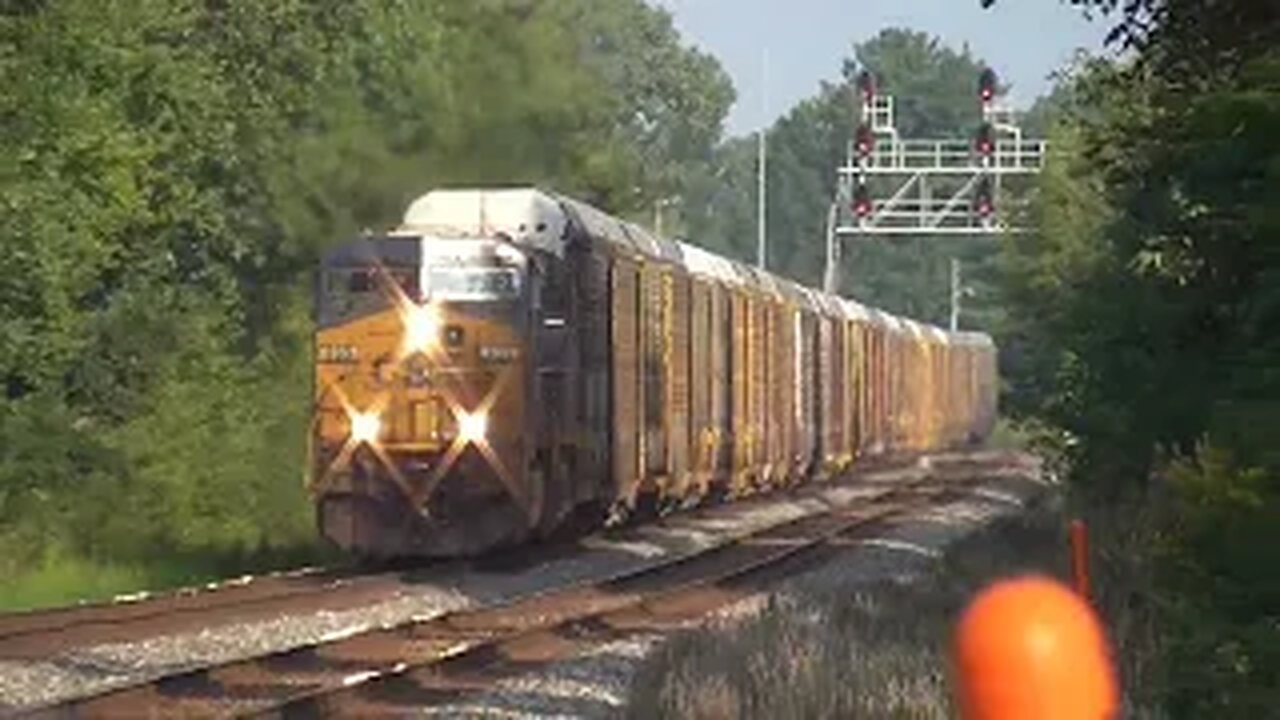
(340, 354)
(472, 426)
(365, 427)
(422, 328)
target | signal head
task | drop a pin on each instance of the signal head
(985, 141)
(983, 203)
(987, 82)
(867, 85)
(864, 141)
(861, 205)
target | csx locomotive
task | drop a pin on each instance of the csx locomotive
(509, 360)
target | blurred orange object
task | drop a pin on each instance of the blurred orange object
(1031, 649)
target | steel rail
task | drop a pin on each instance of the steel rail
(283, 679)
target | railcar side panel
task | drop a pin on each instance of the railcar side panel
(856, 388)
(882, 409)
(591, 320)
(655, 323)
(740, 379)
(768, 433)
(806, 395)
(722, 334)
(677, 290)
(758, 400)
(701, 380)
(625, 377)
(828, 415)
(781, 391)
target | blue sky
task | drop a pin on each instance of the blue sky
(1024, 40)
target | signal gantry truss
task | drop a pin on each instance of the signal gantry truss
(899, 186)
(894, 186)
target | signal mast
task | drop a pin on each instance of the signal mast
(926, 188)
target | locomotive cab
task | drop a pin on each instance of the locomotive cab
(423, 365)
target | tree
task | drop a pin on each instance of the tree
(170, 170)
(1143, 316)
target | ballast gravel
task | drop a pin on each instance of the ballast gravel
(596, 685)
(592, 686)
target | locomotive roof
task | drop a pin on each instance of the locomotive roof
(543, 220)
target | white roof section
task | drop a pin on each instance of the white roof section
(526, 215)
(854, 310)
(539, 219)
(708, 264)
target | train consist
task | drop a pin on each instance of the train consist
(509, 361)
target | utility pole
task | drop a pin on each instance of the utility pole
(955, 294)
(761, 239)
(657, 211)
(831, 278)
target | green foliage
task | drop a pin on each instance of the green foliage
(1218, 568)
(1142, 323)
(171, 169)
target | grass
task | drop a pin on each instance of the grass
(876, 651)
(64, 578)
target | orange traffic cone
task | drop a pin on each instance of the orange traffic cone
(1031, 649)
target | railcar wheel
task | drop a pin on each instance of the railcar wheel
(715, 494)
(588, 516)
(647, 508)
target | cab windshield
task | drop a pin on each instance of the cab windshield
(353, 291)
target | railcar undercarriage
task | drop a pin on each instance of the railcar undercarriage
(467, 514)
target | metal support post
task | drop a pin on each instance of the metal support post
(762, 247)
(761, 241)
(955, 294)
(831, 278)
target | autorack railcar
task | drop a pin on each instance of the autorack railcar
(507, 361)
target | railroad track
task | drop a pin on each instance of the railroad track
(428, 661)
(44, 634)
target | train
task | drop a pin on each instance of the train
(510, 362)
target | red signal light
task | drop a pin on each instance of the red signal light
(985, 142)
(864, 141)
(987, 82)
(983, 204)
(867, 85)
(861, 201)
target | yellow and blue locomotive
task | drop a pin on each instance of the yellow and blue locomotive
(508, 359)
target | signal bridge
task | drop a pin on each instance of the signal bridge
(889, 185)
(895, 186)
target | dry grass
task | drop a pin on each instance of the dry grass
(865, 651)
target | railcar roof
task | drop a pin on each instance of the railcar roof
(540, 219)
(709, 265)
